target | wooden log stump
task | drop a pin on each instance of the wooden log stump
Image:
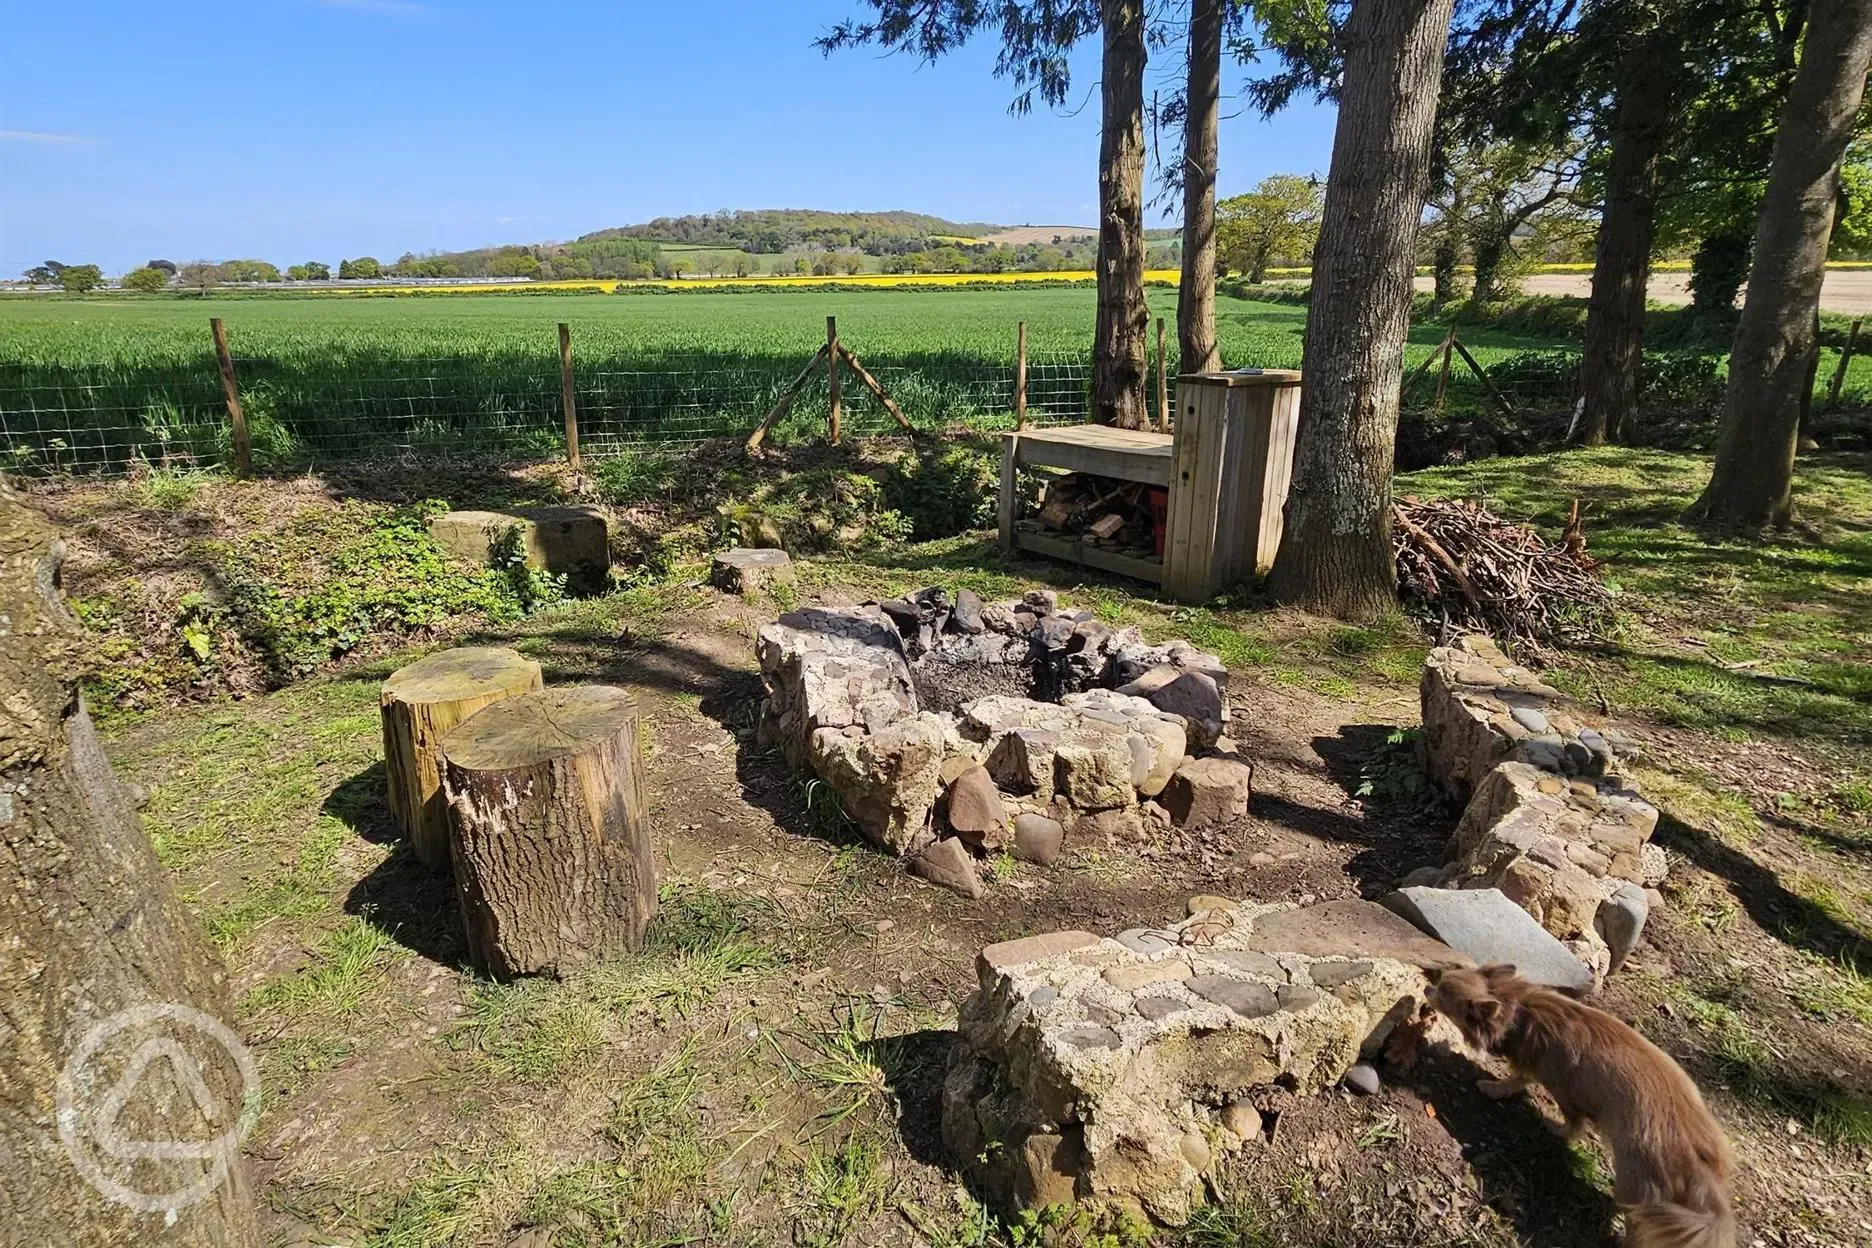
(550, 830)
(420, 704)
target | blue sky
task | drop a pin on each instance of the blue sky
(315, 129)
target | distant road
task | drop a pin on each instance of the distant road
(1845, 290)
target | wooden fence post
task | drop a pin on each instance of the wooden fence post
(832, 377)
(230, 390)
(1839, 374)
(1442, 381)
(1020, 376)
(567, 396)
(1163, 383)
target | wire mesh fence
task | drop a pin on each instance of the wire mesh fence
(306, 410)
(76, 419)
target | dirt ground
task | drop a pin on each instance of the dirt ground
(1843, 291)
(767, 1072)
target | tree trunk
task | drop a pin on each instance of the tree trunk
(419, 705)
(1335, 552)
(1488, 258)
(553, 863)
(1120, 340)
(1805, 441)
(1752, 485)
(90, 929)
(1443, 270)
(1196, 332)
(1615, 313)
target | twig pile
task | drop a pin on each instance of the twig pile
(1467, 568)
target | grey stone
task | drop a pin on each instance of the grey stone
(1248, 962)
(1055, 631)
(1146, 941)
(1529, 718)
(1193, 695)
(744, 571)
(1361, 1079)
(967, 616)
(1546, 755)
(1620, 921)
(1295, 996)
(1090, 1036)
(1159, 1008)
(1333, 974)
(1423, 876)
(1038, 839)
(1043, 996)
(949, 863)
(1040, 601)
(1250, 1000)
(1483, 924)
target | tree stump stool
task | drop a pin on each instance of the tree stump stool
(419, 705)
(550, 830)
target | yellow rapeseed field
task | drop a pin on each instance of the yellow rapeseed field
(854, 279)
(889, 280)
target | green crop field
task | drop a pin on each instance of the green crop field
(100, 383)
(130, 332)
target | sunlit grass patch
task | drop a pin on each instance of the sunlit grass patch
(344, 968)
(533, 1030)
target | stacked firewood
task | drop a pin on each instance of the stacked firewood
(1465, 567)
(1099, 511)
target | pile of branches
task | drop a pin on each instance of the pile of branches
(1462, 567)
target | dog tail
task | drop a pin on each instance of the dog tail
(1675, 1226)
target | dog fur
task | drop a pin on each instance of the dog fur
(1672, 1161)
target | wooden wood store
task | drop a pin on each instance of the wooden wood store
(1193, 510)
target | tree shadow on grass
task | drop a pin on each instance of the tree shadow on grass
(1786, 915)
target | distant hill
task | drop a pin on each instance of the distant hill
(786, 241)
(771, 231)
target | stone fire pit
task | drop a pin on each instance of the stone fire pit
(951, 728)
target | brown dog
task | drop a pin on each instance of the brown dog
(1672, 1161)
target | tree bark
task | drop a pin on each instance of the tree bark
(419, 705)
(553, 862)
(1615, 313)
(1120, 346)
(1769, 365)
(1196, 332)
(1488, 259)
(89, 927)
(1443, 270)
(1335, 553)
